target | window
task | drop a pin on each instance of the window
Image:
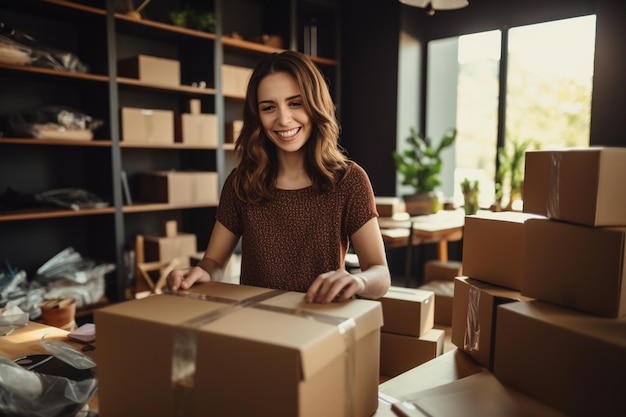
(547, 103)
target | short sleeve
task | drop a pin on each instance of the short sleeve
(228, 210)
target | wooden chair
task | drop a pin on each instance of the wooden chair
(144, 282)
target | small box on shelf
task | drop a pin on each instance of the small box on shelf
(147, 125)
(150, 69)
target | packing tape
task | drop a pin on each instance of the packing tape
(552, 200)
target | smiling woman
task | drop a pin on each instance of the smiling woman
(295, 199)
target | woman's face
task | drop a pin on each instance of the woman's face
(282, 113)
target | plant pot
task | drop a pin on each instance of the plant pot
(422, 203)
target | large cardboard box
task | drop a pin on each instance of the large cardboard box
(579, 267)
(232, 350)
(150, 69)
(197, 129)
(179, 187)
(408, 311)
(147, 125)
(493, 247)
(444, 296)
(569, 360)
(399, 353)
(584, 186)
(474, 317)
(235, 80)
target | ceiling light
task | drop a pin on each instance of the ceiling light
(432, 5)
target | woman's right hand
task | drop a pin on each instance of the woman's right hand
(183, 279)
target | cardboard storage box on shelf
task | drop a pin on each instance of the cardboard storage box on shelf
(584, 186)
(474, 317)
(569, 360)
(150, 69)
(152, 126)
(408, 311)
(247, 351)
(166, 248)
(575, 266)
(179, 187)
(233, 129)
(235, 80)
(198, 129)
(444, 295)
(493, 247)
(399, 353)
(388, 206)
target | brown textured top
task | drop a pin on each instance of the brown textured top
(289, 241)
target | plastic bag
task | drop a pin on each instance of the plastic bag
(72, 198)
(53, 121)
(41, 55)
(47, 385)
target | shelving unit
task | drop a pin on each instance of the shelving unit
(101, 36)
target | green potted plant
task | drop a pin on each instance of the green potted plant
(420, 168)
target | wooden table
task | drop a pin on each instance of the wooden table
(27, 341)
(402, 230)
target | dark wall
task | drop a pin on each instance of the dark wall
(369, 87)
(369, 65)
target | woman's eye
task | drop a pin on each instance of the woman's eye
(267, 108)
(295, 104)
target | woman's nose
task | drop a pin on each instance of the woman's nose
(284, 115)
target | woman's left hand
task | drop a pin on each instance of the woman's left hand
(334, 286)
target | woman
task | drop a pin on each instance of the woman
(295, 199)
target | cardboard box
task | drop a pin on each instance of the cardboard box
(147, 125)
(474, 317)
(399, 353)
(235, 80)
(493, 247)
(232, 130)
(252, 352)
(150, 69)
(579, 267)
(444, 294)
(571, 361)
(179, 187)
(436, 270)
(584, 186)
(478, 395)
(197, 129)
(166, 248)
(388, 206)
(408, 311)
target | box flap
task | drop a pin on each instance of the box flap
(408, 294)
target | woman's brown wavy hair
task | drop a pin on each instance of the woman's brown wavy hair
(325, 161)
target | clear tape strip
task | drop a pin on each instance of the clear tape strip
(472, 329)
(552, 199)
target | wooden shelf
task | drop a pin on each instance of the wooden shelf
(146, 207)
(57, 142)
(34, 214)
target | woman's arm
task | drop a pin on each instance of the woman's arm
(372, 282)
(219, 250)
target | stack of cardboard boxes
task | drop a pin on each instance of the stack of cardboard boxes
(408, 337)
(542, 303)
